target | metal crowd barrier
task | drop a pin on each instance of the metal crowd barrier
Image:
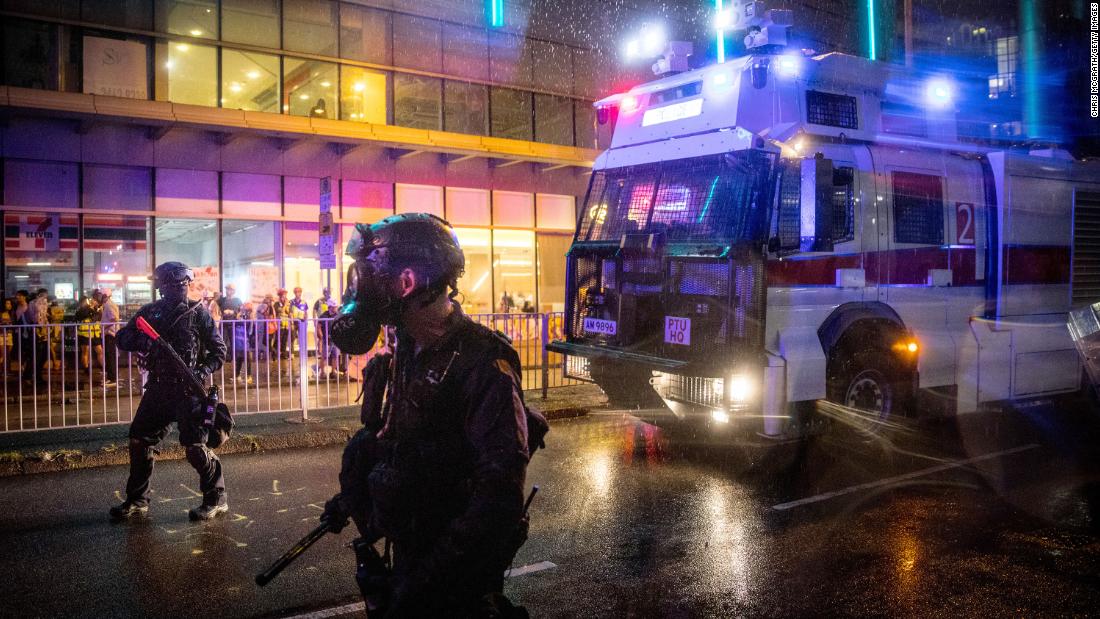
(71, 374)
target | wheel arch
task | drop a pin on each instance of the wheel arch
(851, 319)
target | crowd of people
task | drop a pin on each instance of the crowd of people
(253, 331)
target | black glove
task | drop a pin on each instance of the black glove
(335, 514)
(203, 374)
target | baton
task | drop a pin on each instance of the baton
(197, 388)
(292, 554)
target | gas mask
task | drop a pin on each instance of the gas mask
(367, 304)
(381, 251)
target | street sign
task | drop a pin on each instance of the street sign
(326, 242)
(326, 194)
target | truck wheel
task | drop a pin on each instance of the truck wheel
(626, 386)
(873, 384)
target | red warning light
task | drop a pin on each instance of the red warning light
(629, 105)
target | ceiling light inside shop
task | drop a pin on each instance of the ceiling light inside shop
(359, 86)
(235, 87)
(183, 47)
(196, 32)
(253, 75)
(326, 84)
(303, 97)
(39, 264)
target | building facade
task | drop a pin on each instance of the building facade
(138, 131)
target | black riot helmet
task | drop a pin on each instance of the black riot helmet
(171, 280)
(172, 273)
(422, 242)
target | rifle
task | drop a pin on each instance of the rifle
(289, 556)
(377, 567)
(193, 383)
(209, 396)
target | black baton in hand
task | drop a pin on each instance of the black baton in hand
(292, 554)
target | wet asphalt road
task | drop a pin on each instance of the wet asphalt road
(983, 517)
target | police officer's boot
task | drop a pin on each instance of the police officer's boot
(128, 508)
(372, 576)
(208, 511)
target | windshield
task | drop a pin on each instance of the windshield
(712, 198)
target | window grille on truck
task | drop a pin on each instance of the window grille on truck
(1086, 249)
(711, 198)
(701, 278)
(586, 276)
(826, 108)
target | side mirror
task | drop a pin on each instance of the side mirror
(816, 216)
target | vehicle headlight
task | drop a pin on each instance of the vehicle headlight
(740, 389)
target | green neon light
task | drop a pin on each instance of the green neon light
(706, 205)
(871, 27)
(496, 13)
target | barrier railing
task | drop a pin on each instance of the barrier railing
(68, 375)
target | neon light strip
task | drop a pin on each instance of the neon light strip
(721, 34)
(710, 196)
(871, 26)
(496, 10)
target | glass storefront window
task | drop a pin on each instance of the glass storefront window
(510, 113)
(310, 88)
(514, 270)
(585, 123)
(416, 101)
(365, 34)
(116, 256)
(465, 108)
(191, 71)
(254, 22)
(551, 250)
(135, 14)
(40, 251)
(362, 95)
(310, 26)
(193, 242)
(554, 119)
(248, 257)
(250, 81)
(196, 18)
(476, 285)
(30, 54)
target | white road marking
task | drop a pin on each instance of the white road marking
(348, 609)
(529, 569)
(904, 477)
(359, 607)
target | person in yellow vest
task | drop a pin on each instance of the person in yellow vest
(56, 316)
(298, 308)
(281, 311)
(88, 331)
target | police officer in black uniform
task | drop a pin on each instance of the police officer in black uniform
(439, 466)
(190, 330)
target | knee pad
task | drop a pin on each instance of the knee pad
(141, 447)
(197, 455)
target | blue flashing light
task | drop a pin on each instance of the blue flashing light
(871, 28)
(788, 65)
(496, 13)
(939, 93)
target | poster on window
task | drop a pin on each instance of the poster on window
(115, 68)
(265, 280)
(206, 281)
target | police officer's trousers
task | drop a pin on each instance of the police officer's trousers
(162, 404)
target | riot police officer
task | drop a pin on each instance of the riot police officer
(191, 332)
(439, 466)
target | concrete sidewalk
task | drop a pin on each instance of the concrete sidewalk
(74, 448)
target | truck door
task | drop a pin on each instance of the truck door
(915, 267)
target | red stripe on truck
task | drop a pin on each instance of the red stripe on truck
(1024, 264)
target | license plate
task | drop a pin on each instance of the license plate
(601, 327)
(678, 330)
